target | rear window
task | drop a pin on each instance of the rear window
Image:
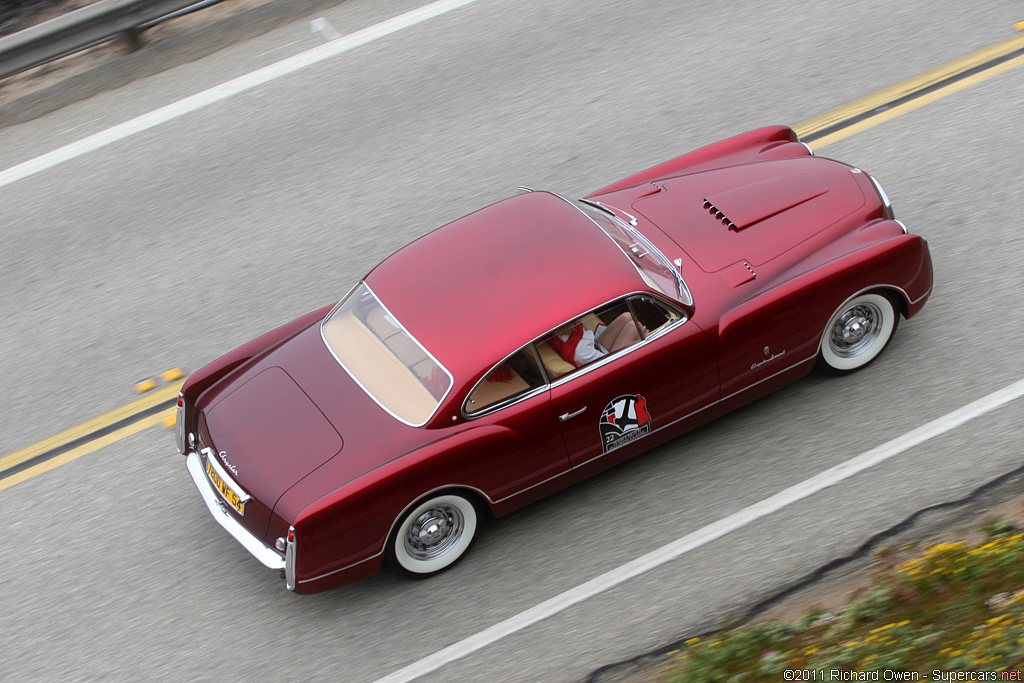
(390, 365)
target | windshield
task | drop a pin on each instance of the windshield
(653, 266)
(387, 362)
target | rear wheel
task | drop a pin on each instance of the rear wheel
(857, 333)
(433, 536)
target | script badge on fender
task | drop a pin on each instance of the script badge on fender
(624, 420)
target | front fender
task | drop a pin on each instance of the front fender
(900, 264)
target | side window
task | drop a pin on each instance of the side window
(589, 338)
(652, 314)
(516, 375)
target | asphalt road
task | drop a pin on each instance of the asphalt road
(177, 244)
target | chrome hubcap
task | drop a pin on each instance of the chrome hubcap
(855, 330)
(434, 532)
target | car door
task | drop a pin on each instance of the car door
(634, 397)
(526, 448)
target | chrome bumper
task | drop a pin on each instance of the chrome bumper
(261, 551)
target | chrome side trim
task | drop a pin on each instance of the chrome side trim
(532, 486)
(323, 576)
(773, 376)
(903, 293)
(391, 529)
(926, 293)
(267, 556)
(687, 416)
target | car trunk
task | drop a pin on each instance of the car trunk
(295, 415)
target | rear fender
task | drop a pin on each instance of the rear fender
(764, 143)
(351, 525)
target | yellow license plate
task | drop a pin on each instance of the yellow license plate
(230, 496)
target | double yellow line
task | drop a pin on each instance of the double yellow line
(91, 435)
(822, 130)
(913, 93)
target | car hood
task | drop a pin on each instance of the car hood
(754, 212)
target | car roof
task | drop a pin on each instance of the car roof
(483, 286)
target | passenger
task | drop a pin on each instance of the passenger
(580, 346)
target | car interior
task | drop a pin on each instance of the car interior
(519, 373)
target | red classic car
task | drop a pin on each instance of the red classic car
(537, 341)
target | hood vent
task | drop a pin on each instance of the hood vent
(744, 206)
(717, 213)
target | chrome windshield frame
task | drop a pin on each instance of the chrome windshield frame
(685, 297)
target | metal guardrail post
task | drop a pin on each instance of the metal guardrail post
(88, 26)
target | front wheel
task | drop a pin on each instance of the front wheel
(857, 333)
(433, 536)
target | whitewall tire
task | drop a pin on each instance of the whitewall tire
(857, 333)
(433, 535)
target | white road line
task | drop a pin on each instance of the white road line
(229, 89)
(324, 27)
(703, 536)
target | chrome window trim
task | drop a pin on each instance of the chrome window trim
(451, 378)
(578, 372)
(510, 400)
(808, 147)
(267, 556)
(683, 317)
(504, 403)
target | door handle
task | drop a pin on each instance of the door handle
(568, 416)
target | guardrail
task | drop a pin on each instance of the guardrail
(84, 28)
